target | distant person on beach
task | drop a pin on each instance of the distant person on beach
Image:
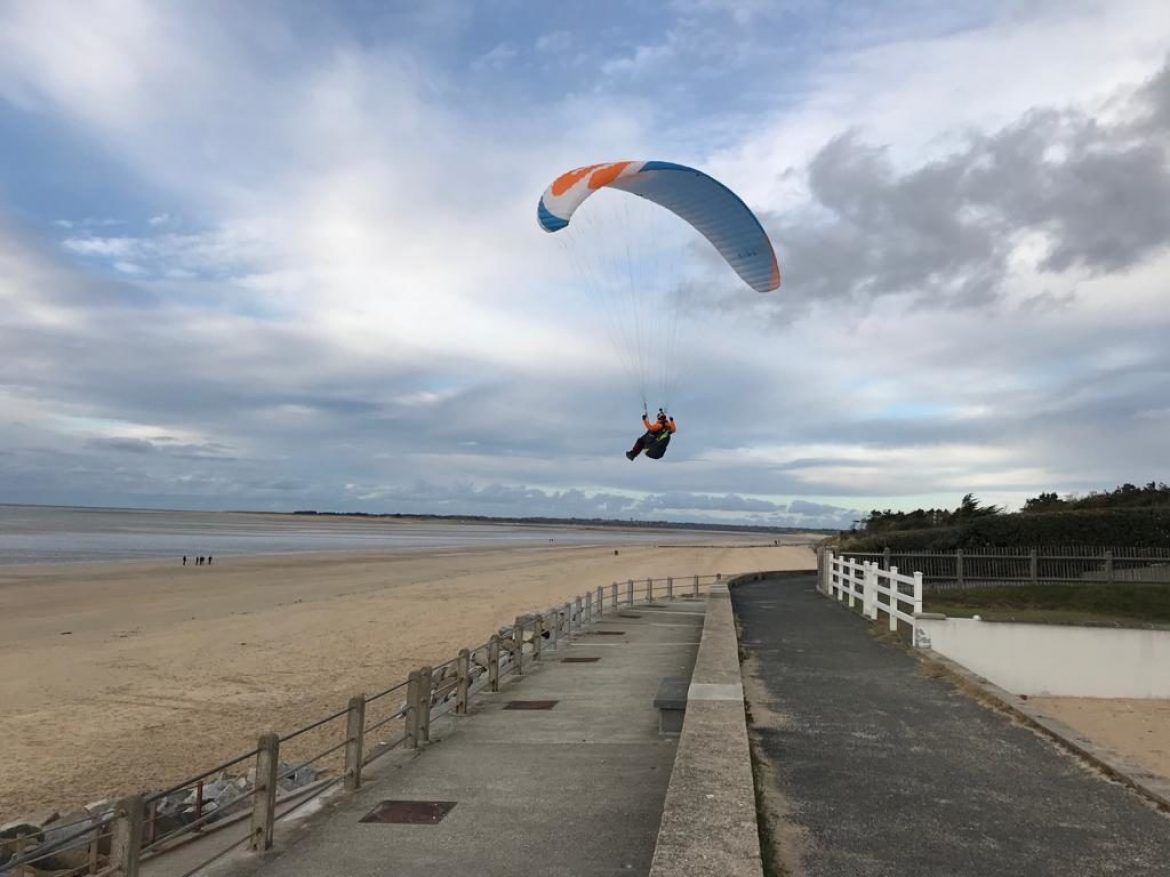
(209, 560)
(184, 560)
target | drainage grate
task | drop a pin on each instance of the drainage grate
(605, 633)
(409, 812)
(579, 660)
(530, 704)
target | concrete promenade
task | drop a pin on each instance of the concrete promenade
(574, 790)
(874, 766)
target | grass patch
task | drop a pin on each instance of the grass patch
(1116, 604)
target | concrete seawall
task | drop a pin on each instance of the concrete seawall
(709, 824)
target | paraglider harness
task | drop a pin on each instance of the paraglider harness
(654, 443)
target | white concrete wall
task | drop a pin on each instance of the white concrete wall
(1059, 660)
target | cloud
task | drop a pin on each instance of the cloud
(329, 288)
(1084, 193)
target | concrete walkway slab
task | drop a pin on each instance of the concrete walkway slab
(574, 790)
(874, 767)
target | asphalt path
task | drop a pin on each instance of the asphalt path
(870, 765)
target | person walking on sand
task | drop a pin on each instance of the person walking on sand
(184, 560)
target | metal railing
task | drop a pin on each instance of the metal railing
(140, 827)
(982, 568)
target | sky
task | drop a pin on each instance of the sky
(284, 255)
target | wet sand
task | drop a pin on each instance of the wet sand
(122, 677)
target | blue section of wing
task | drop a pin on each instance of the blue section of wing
(547, 221)
(716, 212)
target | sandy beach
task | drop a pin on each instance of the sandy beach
(122, 677)
(1137, 729)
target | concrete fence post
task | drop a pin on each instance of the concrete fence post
(614, 596)
(426, 690)
(895, 590)
(649, 590)
(629, 592)
(851, 571)
(669, 588)
(1109, 567)
(868, 597)
(917, 593)
(959, 567)
(1034, 566)
(354, 731)
(695, 587)
(126, 835)
(600, 601)
(886, 557)
(264, 794)
(537, 636)
(576, 621)
(494, 662)
(463, 674)
(588, 607)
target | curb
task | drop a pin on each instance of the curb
(1151, 786)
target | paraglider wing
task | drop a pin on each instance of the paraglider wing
(709, 206)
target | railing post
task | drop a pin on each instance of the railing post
(1109, 566)
(126, 835)
(555, 630)
(354, 729)
(895, 590)
(886, 557)
(959, 567)
(576, 621)
(649, 591)
(264, 793)
(589, 607)
(669, 588)
(426, 690)
(600, 601)
(615, 596)
(852, 571)
(695, 592)
(494, 663)
(1034, 566)
(629, 592)
(518, 646)
(537, 636)
(917, 593)
(463, 689)
(412, 720)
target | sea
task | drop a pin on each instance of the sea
(64, 534)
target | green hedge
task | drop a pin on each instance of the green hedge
(1136, 527)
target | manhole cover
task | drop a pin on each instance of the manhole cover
(530, 704)
(409, 812)
(579, 660)
(605, 633)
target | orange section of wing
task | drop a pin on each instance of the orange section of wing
(569, 179)
(607, 174)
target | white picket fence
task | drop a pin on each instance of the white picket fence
(889, 591)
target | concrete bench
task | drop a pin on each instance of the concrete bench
(671, 703)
